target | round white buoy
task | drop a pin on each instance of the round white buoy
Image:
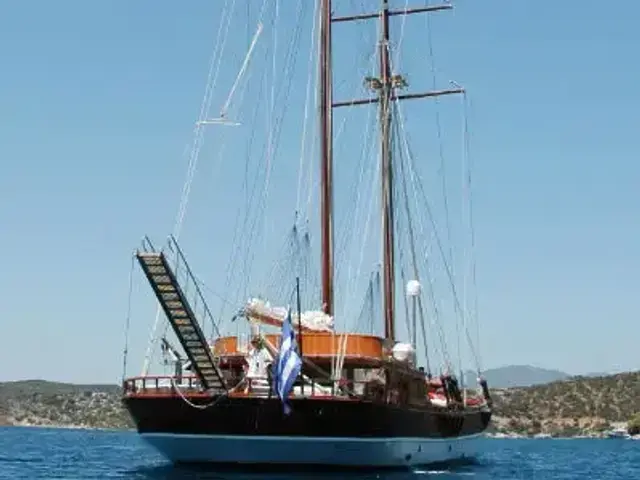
(413, 288)
(404, 352)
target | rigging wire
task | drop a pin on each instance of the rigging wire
(249, 196)
(413, 253)
(411, 235)
(368, 310)
(273, 141)
(431, 289)
(212, 76)
(359, 238)
(252, 43)
(270, 114)
(349, 218)
(363, 68)
(248, 55)
(191, 169)
(439, 244)
(254, 215)
(127, 323)
(363, 71)
(312, 73)
(468, 167)
(396, 61)
(231, 271)
(443, 176)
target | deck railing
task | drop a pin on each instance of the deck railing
(250, 386)
(161, 383)
(255, 387)
(188, 386)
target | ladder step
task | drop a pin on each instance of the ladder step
(151, 260)
(157, 270)
(161, 279)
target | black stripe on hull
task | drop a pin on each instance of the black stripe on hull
(309, 417)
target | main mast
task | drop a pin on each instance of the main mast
(325, 84)
(384, 93)
(386, 87)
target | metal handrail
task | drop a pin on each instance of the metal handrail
(191, 278)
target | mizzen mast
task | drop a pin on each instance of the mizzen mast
(385, 86)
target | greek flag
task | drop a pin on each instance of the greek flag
(287, 366)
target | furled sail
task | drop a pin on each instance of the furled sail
(258, 310)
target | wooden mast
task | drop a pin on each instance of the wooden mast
(384, 92)
(386, 87)
(326, 156)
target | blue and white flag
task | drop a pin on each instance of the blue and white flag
(287, 366)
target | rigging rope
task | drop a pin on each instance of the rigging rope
(274, 129)
(312, 73)
(127, 323)
(412, 247)
(467, 167)
(443, 175)
(456, 300)
(242, 243)
(212, 75)
(431, 290)
(208, 405)
(355, 237)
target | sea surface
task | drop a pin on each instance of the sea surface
(90, 454)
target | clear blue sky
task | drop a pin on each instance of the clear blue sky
(97, 102)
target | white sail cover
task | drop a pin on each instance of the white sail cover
(261, 311)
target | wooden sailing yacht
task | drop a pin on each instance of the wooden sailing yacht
(359, 400)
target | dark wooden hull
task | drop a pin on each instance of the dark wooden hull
(309, 417)
(318, 431)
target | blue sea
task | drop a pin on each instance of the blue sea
(41, 453)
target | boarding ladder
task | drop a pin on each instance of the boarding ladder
(164, 281)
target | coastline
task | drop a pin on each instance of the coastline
(490, 435)
(579, 408)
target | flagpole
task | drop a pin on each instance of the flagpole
(299, 325)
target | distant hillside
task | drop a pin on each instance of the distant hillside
(575, 406)
(27, 387)
(519, 376)
(581, 405)
(38, 402)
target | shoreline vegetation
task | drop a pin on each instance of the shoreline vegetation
(574, 408)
